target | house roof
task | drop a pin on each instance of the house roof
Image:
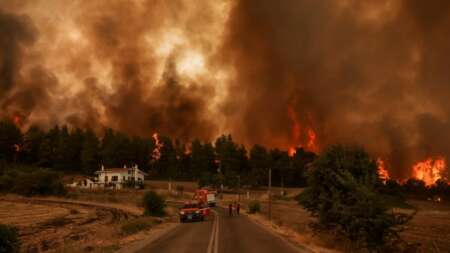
(118, 170)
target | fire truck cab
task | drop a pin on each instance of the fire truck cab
(193, 211)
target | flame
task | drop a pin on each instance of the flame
(292, 151)
(382, 172)
(312, 140)
(158, 145)
(18, 121)
(429, 170)
(296, 133)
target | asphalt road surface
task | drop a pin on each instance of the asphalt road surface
(220, 234)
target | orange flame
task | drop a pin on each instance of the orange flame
(382, 172)
(296, 133)
(292, 151)
(17, 120)
(429, 170)
(312, 140)
(158, 145)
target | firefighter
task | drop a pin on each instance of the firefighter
(238, 208)
(230, 209)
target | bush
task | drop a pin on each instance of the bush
(342, 193)
(135, 226)
(254, 207)
(9, 241)
(33, 182)
(153, 204)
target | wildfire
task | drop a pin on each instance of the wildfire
(312, 140)
(292, 151)
(308, 138)
(158, 145)
(17, 120)
(429, 170)
(382, 172)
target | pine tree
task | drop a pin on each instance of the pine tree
(10, 138)
(90, 155)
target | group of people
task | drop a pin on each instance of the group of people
(234, 207)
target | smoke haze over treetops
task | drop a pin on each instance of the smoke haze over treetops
(374, 72)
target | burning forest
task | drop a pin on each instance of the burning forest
(292, 74)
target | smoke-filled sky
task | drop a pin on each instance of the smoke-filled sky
(278, 73)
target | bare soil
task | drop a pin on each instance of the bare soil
(61, 225)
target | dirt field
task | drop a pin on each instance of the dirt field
(430, 227)
(50, 225)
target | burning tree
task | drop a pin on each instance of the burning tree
(343, 193)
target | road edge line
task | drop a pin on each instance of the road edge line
(211, 239)
(216, 245)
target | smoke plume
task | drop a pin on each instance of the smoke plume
(279, 73)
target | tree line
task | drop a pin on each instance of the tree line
(81, 151)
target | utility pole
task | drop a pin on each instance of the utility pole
(270, 194)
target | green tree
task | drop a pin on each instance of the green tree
(203, 160)
(48, 148)
(108, 149)
(90, 155)
(300, 162)
(259, 163)
(10, 139)
(228, 156)
(32, 141)
(342, 192)
(153, 204)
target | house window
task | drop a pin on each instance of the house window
(106, 178)
(115, 178)
(124, 178)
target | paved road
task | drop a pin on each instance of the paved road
(222, 234)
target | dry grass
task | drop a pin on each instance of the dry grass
(59, 225)
(430, 227)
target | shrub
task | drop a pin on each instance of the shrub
(254, 207)
(342, 193)
(135, 226)
(9, 241)
(153, 204)
(34, 182)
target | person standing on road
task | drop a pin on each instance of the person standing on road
(238, 208)
(230, 209)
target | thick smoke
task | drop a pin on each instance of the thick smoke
(374, 73)
(97, 64)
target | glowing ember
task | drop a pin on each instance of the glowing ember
(429, 170)
(158, 145)
(382, 172)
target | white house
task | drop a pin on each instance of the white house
(116, 177)
(86, 183)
